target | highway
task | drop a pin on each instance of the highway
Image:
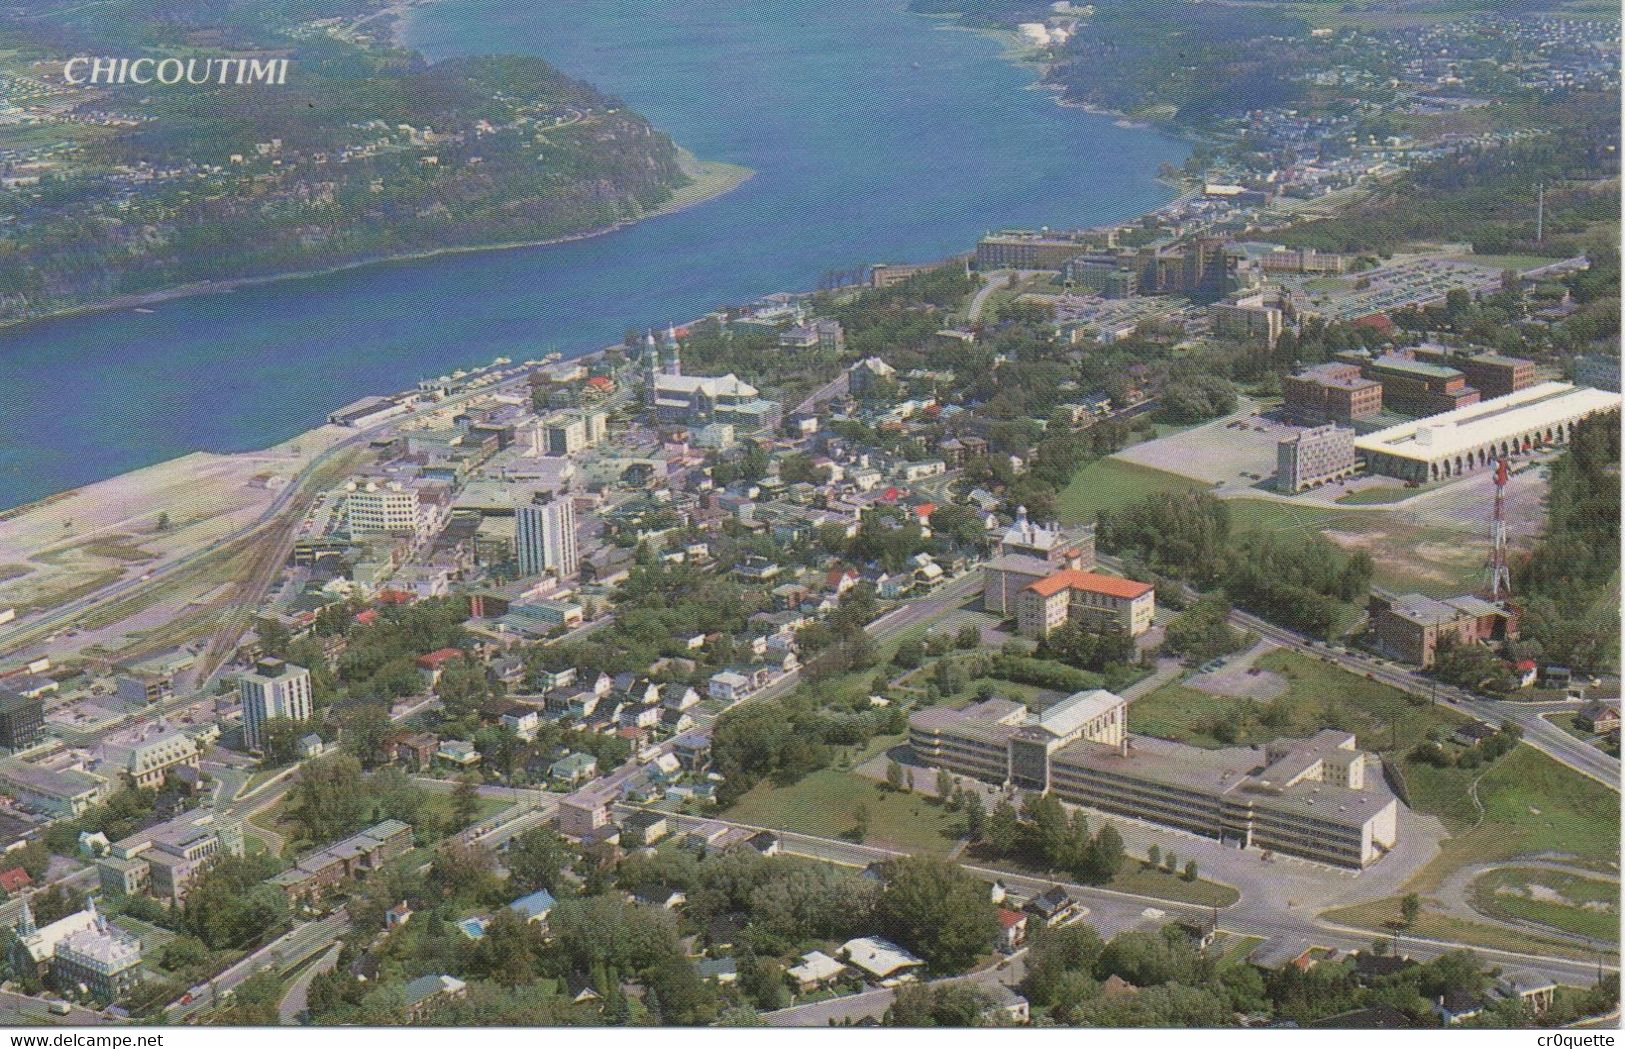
(291, 947)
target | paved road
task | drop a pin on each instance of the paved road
(297, 1000)
(291, 947)
(1538, 732)
(1112, 911)
(18, 1009)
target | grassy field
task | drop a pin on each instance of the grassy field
(1318, 695)
(1108, 483)
(1145, 880)
(825, 803)
(1376, 496)
(1382, 916)
(1585, 906)
(1533, 804)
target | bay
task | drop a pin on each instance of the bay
(876, 135)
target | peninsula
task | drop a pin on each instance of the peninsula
(364, 151)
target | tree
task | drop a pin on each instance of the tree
(938, 910)
(896, 778)
(535, 860)
(1410, 908)
(1004, 828)
(1153, 855)
(465, 801)
(1190, 870)
(975, 815)
(945, 785)
(330, 799)
(1105, 855)
(860, 823)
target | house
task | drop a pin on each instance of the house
(397, 916)
(427, 993)
(880, 960)
(1005, 1005)
(534, 907)
(1117, 987)
(580, 989)
(458, 752)
(1472, 732)
(1053, 905)
(416, 750)
(693, 750)
(764, 842)
(1526, 672)
(729, 686)
(573, 769)
(1533, 989)
(522, 721)
(1012, 929)
(311, 746)
(718, 970)
(14, 880)
(683, 699)
(814, 971)
(1369, 964)
(1456, 1006)
(675, 721)
(1278, 952)
(433, 664)
(645, 828)
(644, 717)
(583, 812)
(1598, 716)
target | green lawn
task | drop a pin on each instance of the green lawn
(1318, 695)
(1376, 496)
(825, 803)
(1533, 804)
(1382, 917)
(1510, 893)
(1143, 880)
(1109, 483)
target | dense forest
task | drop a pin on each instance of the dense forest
(366, 152)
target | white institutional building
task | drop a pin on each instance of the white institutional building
(274, 689)
(545, 537)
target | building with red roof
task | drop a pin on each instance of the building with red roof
(1101, 601)
(15, 880)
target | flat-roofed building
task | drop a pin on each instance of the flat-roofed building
(273, 689)
(66, 793)
(1317, 798)
(1492, 374)
(164, 860)
(1331, 393)
(1006, 576)
(22, 720)
(1313, 457)
(1413, 387)
(1023, 250)
(1471, 438)
(1000, 740)
(1102, 602)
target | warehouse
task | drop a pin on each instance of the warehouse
(1470, 438)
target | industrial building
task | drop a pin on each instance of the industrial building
(1313, 457)
(1318, 798)
(1470, 438)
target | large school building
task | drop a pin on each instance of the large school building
(1320, 798)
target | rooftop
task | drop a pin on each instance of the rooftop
(1436, 436)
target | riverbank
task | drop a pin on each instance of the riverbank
(708, 179)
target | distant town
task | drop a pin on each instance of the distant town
(1207, 620)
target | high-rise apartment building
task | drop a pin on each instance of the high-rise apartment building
(545, 539)
(275, 689)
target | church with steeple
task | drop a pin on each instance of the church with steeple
(698, 400)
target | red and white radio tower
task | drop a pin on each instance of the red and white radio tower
(1500, 575)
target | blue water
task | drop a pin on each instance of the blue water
(876, 135)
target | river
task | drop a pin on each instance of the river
(876, 135)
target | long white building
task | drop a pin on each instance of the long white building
(1321, 798)
(1470, 438)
